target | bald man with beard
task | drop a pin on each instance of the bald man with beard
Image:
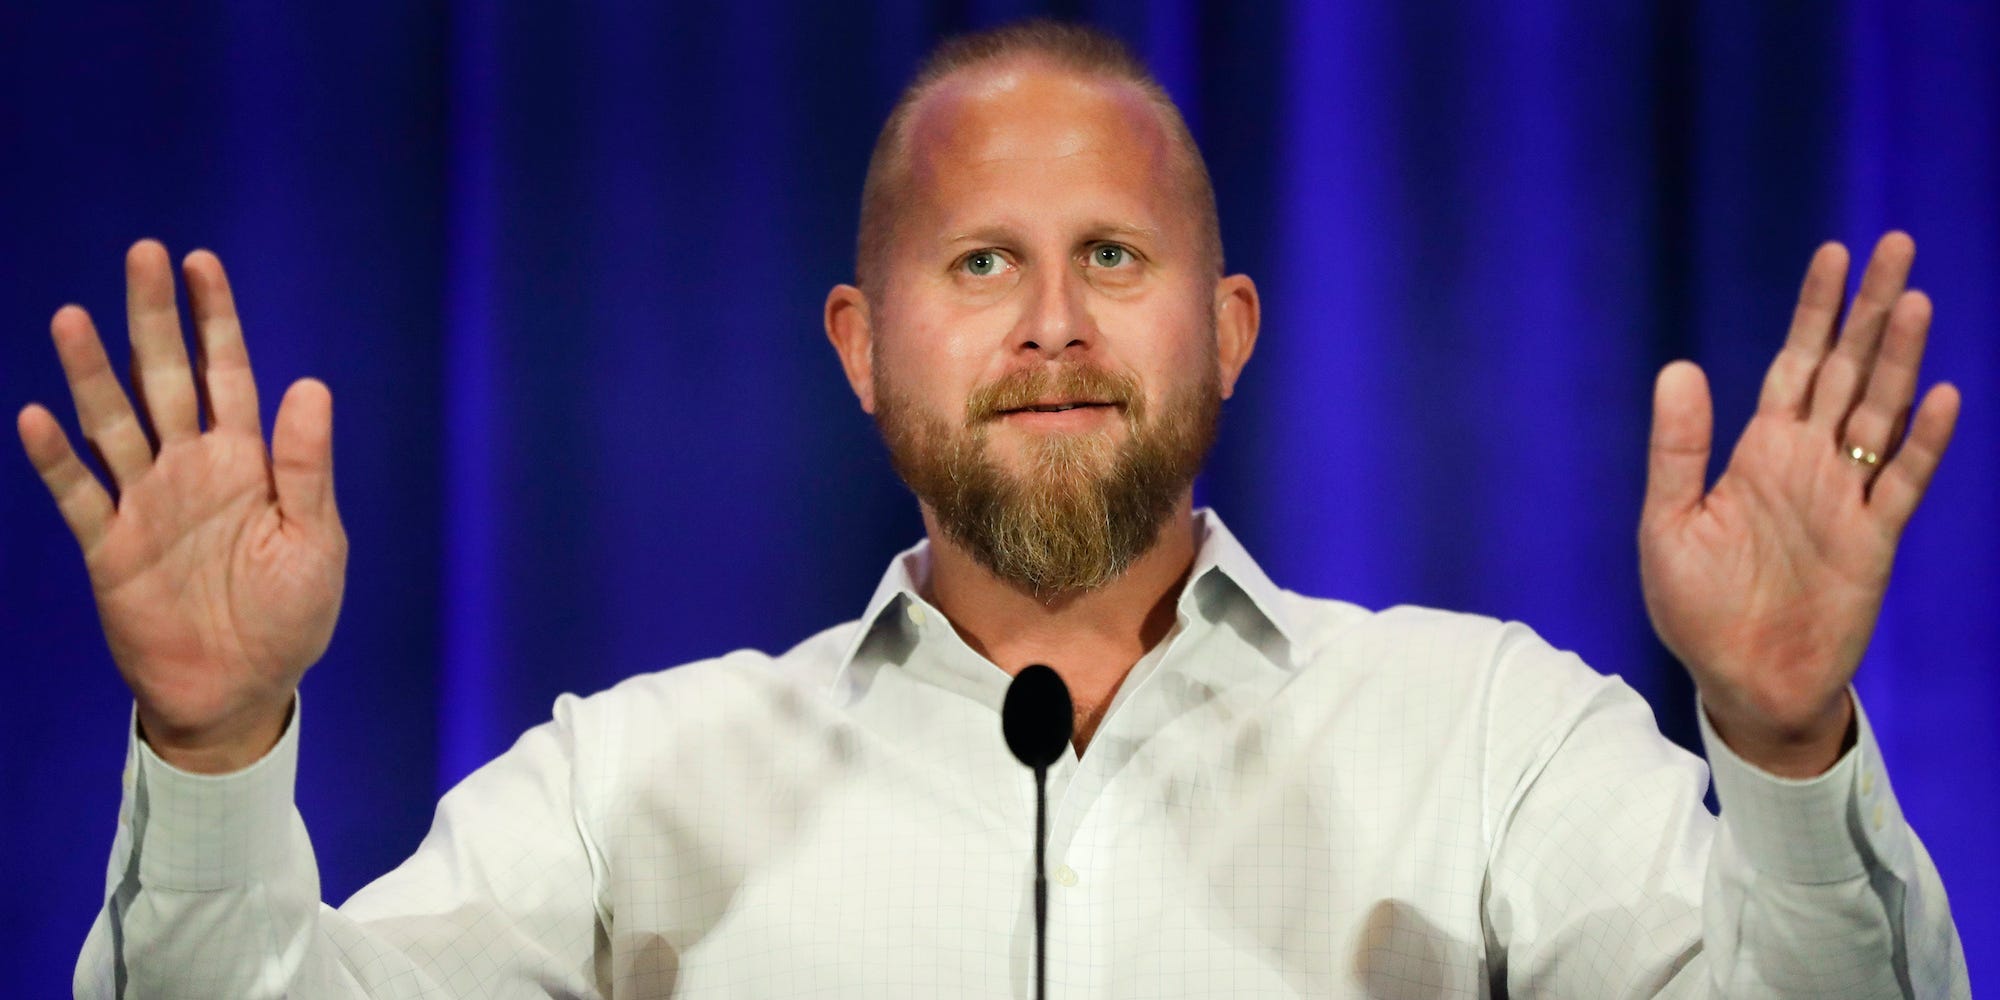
(1268, 794)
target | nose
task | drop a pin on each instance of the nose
(1055, 319)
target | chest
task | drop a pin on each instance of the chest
(1265, 857)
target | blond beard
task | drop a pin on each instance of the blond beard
(1085, 508)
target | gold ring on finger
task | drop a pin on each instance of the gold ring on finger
(1862, 456)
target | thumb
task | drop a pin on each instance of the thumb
(1683, 425)
(302, 452)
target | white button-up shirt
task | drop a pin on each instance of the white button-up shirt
(1288, 797)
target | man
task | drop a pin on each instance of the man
(1268, 794)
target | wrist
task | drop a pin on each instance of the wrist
(227, 747)
(1797, 750)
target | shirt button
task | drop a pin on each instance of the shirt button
(1878, 817)
(916, 613)
(1867, 783)
(1065, 875)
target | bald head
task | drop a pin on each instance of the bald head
(970, 79)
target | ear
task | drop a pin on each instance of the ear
(853, 337)
(1236, 319)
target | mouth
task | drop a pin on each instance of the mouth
(1060, 416)
(1058, 407)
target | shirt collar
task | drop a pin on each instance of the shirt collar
(1217, 553)
(903, 581)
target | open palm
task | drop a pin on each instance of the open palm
(218, 568)
(1767, 587)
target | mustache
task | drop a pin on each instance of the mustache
(1073, 381)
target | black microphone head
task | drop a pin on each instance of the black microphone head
(1037, 716)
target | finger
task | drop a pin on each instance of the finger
(109, 424)
(81, 499)
(1893, 384)
(160, 374)
(1683, 424)
(1788, 383)
(222, 362)
(1905, 479)
(1846, 369)
(302, 452)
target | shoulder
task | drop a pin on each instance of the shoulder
(744, 690)
(1409, 651)
(719, 683)
(1338, 633)
(1495, 690)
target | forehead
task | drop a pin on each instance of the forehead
(999, 132)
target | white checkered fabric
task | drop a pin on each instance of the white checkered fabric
(1289, 797)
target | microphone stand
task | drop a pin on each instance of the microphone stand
(1041, 880)
(1038, 720)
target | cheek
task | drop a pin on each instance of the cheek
(1178, 361)
(1180, 339)
(920, 368)
(936, 341)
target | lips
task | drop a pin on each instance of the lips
(1055, 407)
(1055, 396)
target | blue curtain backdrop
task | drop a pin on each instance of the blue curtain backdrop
(563, 265)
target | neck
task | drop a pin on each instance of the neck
(1091, 638)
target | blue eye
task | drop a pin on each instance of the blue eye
(983, 264)
(1110, 255)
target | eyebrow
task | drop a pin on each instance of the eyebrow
(1100, 230)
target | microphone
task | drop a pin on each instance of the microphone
(1038, 719)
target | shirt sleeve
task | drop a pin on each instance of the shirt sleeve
(1607, 876)
(213, 891)
(1819, 888)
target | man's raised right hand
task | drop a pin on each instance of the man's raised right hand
(218, 566)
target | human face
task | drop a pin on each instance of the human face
(1044, 232)
(1044, 254)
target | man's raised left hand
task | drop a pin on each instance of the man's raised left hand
(1767, 586)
